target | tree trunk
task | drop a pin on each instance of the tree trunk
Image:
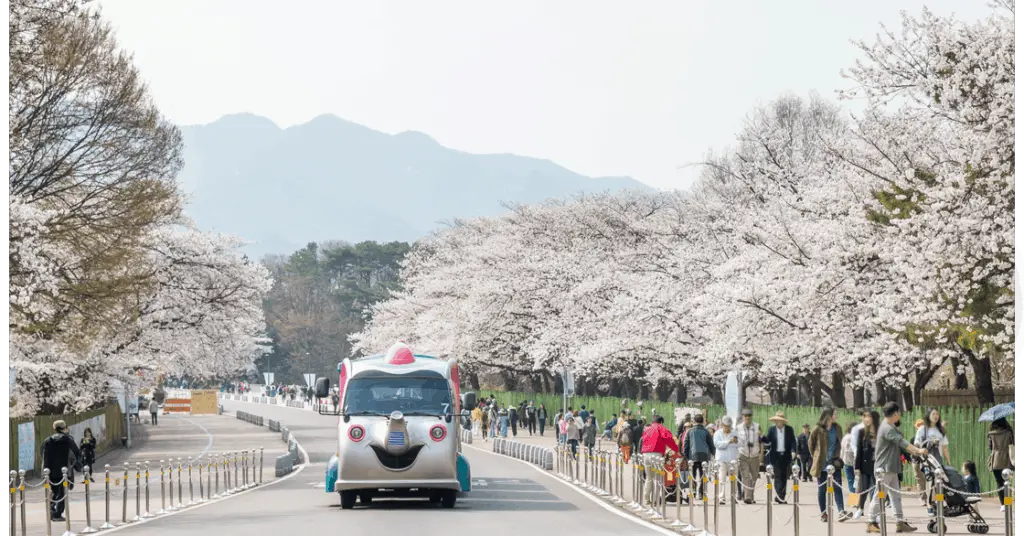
(614, 387)
(662, 390)
(959, 376)
(792, 395)
(680, 393)
(982, 378)
(921, 379)
(838, 390)
(816, 390)
(535, 383)
(859, 400)
(474, 381)
(644, 391)
(908, 398)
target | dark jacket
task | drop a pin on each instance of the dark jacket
(697, 445)
(784, 459)
(88, 448)
(865, 459)
(57, 451)
(802, 449)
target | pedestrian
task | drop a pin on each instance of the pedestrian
(825, 445)
(584, 414)
(624, 437)
(931, 436)
(727, 451)
(864, 457)
(513, 420)
(334, 401)
(749, 434)
(697, 449)
(781, 441)
(970, 473)
(919, 480)
(542, 418)
(654, 443)
(572, 431)
(889, 446)
(1000, 453)
(590, 434)
(58, 451)
(154, 410)
(637, 433)
(803, 452)
(88, 448)
(560, 426)
(531, 418)
(846, 453)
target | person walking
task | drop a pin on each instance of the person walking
(727, 451)
(590, 434)
(931, 436)
(803, 452)
(824, 445)
(846, 453)
(513, 419)
(781, 441)
(624, 437)
(864, 457)
(531, 418)
(154, 410)
(1000, 453)
(697, 449)
(889, 446)
(749, 434)
(57, 451)
(654, 443)
(88, 448)
(542, 418)
(572, 431)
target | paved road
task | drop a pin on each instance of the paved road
(509, 497)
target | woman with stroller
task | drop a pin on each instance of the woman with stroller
(932, 436)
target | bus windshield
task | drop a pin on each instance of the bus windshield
(382, 395)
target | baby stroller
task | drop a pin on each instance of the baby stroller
(956, 504)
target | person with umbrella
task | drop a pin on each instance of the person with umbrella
(1000, 443)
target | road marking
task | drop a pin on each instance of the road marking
(600, 502)
(209, 436)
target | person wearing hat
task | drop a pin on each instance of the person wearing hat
(57, 451)
(750, 437)
(781, 445)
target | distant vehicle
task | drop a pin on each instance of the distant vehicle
(399, 431)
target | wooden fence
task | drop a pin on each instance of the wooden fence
(960, 397)
(42, 427)
(967, 437)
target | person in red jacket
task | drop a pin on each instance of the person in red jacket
(654, 443)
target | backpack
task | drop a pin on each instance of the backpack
(625, 435)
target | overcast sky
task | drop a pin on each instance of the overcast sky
(600, 87)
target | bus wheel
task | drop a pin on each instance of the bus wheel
(448, 499)
(348, 499)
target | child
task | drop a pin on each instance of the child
(970, 473)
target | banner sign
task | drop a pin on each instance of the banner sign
(26, 446)
(310, 379)
(204, 401)
(732, 396)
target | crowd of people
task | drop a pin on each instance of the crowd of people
(877, 441)
(490, 420)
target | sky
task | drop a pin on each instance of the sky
(604, 88)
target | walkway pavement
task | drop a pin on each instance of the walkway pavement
(753, 519)
(202, 437)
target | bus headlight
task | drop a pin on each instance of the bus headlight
(356, 433)
(438, 432)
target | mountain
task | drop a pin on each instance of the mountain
(333, 179)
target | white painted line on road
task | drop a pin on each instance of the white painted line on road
(209, 436)
(600, 502)
(298, 469)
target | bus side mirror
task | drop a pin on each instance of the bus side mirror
(469, 400)
(323, 387)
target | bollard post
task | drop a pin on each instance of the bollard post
(234, 479)
(880, 491)
(732, 495)
(209, 468)
(693, 489)
(216, 476)
(191, 490)
(124, 496)
(940, 503)
(662, 495)
(253, 464)
(796, 499)
(704, 481)
(1007, 502)
(170, 485)
(830, 498)
(769, 476)
(12, 486)
(714, 497)
(48, 496)
(163, 502)
(245, 469)
(106, 499)
(138, 493)
(199, 466)
(261, 465)
(67, 501)
(21, 499)
(576, 457)
(87, 473)
(181, 501)
(146, 512)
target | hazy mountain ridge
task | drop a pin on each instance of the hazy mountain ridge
(334, 179)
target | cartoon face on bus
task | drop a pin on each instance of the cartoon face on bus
(399, 429)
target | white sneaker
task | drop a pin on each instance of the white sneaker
(857, 514)
(1002, 508)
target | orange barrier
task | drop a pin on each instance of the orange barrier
(177, 405)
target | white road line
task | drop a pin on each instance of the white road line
(209, 436)
(600, 502)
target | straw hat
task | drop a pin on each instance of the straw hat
(779, 417)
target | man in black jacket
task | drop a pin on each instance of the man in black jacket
(57, 450)
(781, 448)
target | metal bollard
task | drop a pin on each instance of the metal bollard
(209, 469)
(679, 497)
(124, 496)
(1007, 502)
(830, 497)
(714, 473)
(87, 473)
(940, 503)
(216, 476)
(252, 463)
(48, 495)
(14, 502)
(769, 476)
(234, 480)
(693, 490)
(662, 495)
(576, 456)
(181, 501)
(191, 490)
(106, 499)
(245, 470)
(796, 499)
(138, 493)
(21, 499)
(67, 500)
(880, 490)
(261, 465)
(704, 480)
(732, 495)
(163, 501)
(146, 513)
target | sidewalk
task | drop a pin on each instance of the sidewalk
(203, 437)
(753, 519)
